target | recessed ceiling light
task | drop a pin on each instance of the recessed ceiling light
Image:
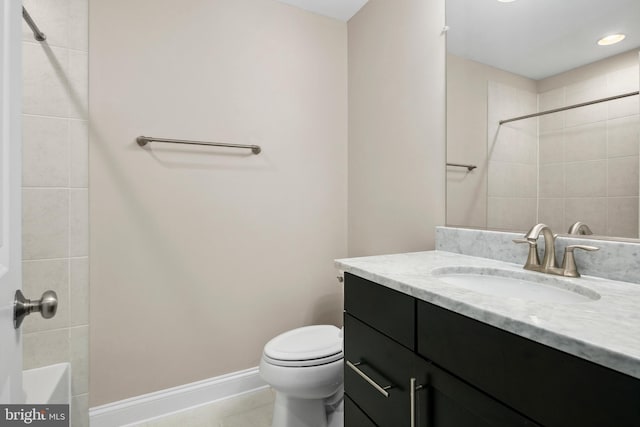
(612, 39)
(506, 1)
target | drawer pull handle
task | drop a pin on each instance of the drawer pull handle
(381, 389)
(413, 388)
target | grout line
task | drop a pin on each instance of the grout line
(58, 259)
(44, 116)
(55, 188)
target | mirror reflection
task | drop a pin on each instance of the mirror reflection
(520, 58)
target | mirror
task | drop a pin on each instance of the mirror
(507, 59)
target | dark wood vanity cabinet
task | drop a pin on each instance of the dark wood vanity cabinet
(465, 372)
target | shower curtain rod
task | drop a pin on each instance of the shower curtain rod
(570, 107)
(37, 34)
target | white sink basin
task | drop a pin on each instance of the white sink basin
(514, 284)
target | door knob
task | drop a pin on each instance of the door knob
(47, 305)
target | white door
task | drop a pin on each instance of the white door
(10, 201)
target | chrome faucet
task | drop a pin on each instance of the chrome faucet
(579, 228)
(549, 264)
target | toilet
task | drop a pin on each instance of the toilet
(304, 367)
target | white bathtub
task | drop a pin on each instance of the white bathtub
(47, 385)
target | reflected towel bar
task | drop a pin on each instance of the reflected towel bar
(458, 165)
(570, 107)
(37, 34)
(143, 140)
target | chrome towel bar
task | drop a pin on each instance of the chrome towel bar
(144, 140)
(458, 165)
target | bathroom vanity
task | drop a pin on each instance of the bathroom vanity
(422, 352)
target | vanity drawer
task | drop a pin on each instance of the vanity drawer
(353, 416)
(390, 312)
(384, 362)
(553, 388)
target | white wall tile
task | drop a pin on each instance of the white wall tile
(45, 223)
(79, 357)
(623, 137)
(79, 222)
(586, 142)
(551, 180)
(45, 348)
(44, 71)
(548, 101)
(623, 177)
(45, 152)
(592, 210)
(585, 115)
(623, 107)
(78, 80)
(79, 25)
(513, 145)
(551, 147)
(551, 212)
(55, 95)
(624, 211)
(79, 147)
(510, 213)
(41, 276)
(585, 91)
(80, 411)
(623, 80)
(79, 291)
(512, 179)
(586, 179)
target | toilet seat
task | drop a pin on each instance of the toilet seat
(307, 346)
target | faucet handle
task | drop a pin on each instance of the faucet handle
(569, 267)
(531, 242)
(532, 258)
(570, 248)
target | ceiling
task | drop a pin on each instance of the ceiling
(338, 9)
(540, 38)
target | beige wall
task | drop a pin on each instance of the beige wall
(55, 195)
(201, 255)
(467, 91)
(396, 126)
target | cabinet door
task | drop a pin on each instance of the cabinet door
(442, 400)
(353, 416)
(377, 374)
(552, 387)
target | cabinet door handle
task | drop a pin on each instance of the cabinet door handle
(413, 388)
(382, 389)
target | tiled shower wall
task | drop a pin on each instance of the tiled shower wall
(513, 158)
(589, 156)
(55, 190)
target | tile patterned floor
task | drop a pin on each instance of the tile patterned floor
(248, 410)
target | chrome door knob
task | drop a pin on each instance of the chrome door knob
(47, 305)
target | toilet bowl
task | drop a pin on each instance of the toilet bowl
(304, 367)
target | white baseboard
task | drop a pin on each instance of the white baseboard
(176, 399)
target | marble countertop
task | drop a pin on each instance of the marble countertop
(605, 331)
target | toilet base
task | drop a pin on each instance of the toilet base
(292, 412)
(335, 418)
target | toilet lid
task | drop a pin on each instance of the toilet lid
(307, 343)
